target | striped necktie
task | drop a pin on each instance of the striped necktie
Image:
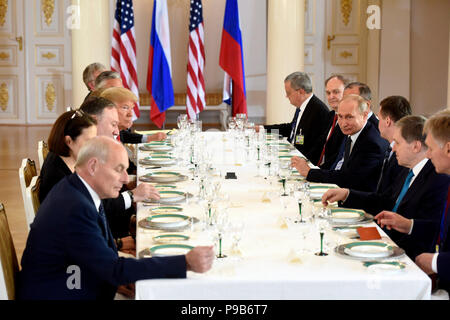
(404, 189)
(293, 125)
(101, 212)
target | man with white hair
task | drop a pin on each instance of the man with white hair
(70, 252)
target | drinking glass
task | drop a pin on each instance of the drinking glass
(322, 225)
(284, 173)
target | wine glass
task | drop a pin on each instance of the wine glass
(222, 225)
(237, 229)
(181, 120)
(231, 123)
(284, 173)
(322, 225)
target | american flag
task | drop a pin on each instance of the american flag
(195, 100)
(123, 53)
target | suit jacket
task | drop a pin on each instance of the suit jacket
(126, 136)
(391, 171)
(55, 169)
(334, 142)
(374, 120)
(426, 227)
(68, 231)
(425, 199)
(363, 167)
(312, 123)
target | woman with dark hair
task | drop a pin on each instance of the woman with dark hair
(69, 133)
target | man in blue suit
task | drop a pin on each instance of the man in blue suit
(418, 194)
(359, 164)
(437, 129)
(70, 251)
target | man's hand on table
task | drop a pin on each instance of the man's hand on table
(145, 191)
(394, 221)
(334, 195)
(200, 259)
(424, 262)
(301, 165)
(159, 136)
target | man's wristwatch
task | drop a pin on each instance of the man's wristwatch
(130, 193)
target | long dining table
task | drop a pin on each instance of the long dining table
(276, 256)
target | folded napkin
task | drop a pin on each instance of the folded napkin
(235, 251)
(294, 257)
(281, 222)
(236, 205)
(265, 198)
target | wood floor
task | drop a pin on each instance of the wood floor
(17, 143)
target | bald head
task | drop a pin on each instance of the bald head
(102, 162)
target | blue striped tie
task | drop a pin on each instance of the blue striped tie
(404, 189)
(101, 212)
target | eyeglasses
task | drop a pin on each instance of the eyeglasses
(77, 113)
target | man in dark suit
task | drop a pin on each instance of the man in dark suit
(438, 142)
(418, 194)
(333, 136)
(91, 73)
(119, 210)
(359, 163)
(309, 121)
(70, 252)
(391, 110)
(364, 91)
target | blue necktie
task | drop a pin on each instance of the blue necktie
(101, 212)
(404, 189)
(340, 154)
(293, 125)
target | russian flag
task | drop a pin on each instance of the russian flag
(159, 76)
(232, 59)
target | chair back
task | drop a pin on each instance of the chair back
(42, 152)
(9, 266)
(26, 173)
(32, 196)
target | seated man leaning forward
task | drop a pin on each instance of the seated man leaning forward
(359, 162)
(70, 233)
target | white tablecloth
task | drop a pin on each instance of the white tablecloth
(265, 270)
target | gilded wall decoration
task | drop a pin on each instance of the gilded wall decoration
(50, 96)
(346, 10)
(3, 11)
(48, 7)
(4, 96)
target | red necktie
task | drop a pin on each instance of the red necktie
(331, 132)
(118, 137)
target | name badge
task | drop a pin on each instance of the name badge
(299, 139)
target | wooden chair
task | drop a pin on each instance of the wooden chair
(9, 266)
(42, 152)
(26, 173)
(32, 196)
